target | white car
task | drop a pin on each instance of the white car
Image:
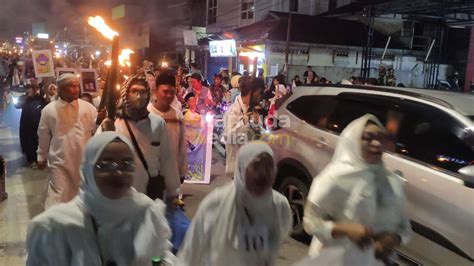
(432, 148)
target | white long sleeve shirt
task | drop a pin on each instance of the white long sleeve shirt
(176, 132)
(154, 143)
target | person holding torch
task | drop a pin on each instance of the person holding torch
(157, 173)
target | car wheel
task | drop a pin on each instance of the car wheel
(296, 191)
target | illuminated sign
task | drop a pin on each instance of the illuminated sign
(19, 40)
(43, 36)
(226, 48)
(118, 12)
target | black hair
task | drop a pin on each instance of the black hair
(280, 78)
(218, 76)
(165, 79)
(196, 76)
(189, 95)
(250, 84)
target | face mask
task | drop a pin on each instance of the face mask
(138, 102)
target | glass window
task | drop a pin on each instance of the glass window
(212, 12)
(294, 5)
(314, 110)
(351, 106)
(247, 10)
(432, 136)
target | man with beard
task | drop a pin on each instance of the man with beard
(156, 171)
(65, 126)
(29, 121)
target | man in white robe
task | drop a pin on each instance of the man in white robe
(241, 123)
(150, 134)
(161, 105)
(65, 127)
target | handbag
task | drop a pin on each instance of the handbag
(156, 185)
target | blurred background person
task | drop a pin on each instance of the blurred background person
(29, 121)
(51, 93)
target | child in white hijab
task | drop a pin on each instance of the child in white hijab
(355, 200)
(108, 223)
(244, 222)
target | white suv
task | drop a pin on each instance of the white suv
(433, 149)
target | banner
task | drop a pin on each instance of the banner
(43, 63)
(199, 143)
(61, 70)
(89, 81)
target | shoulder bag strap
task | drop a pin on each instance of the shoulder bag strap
(137, 148)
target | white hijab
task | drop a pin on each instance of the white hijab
(349, 172)
(243, 221)
(90, 199)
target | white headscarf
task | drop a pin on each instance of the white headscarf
(350, 172)
(242, 222)
(103, 209)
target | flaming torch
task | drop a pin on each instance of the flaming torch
(108, 95)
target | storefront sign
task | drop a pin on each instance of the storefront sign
(226, 48)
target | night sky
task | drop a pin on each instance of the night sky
(16, 16)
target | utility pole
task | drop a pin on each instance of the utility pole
(287, 50)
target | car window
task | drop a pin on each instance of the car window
(432, 136)
(313, 109)
(351, 106)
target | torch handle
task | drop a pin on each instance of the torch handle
(111, 88)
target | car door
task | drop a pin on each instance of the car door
(313, 141)
(429, 152)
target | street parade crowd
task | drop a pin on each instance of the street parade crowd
(115, 174)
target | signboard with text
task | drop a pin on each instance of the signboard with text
(225, 48)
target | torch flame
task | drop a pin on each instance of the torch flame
(98, 23)
(124, 57)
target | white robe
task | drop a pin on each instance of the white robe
(176, 132)
(154, 142)
(63, 131)
(130, 230)
(350, 190)
(233, 228)
(237, 132)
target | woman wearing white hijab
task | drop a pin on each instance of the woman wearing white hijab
(108, 223)
(244, 222)
(355, 199)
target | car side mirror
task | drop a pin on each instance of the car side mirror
(468, 175)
